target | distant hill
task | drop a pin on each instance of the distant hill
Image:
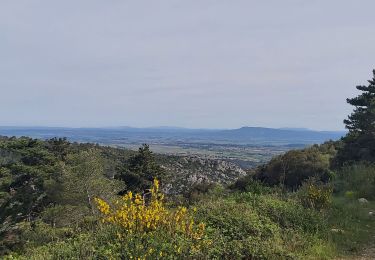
(168, 135)
(291, 136)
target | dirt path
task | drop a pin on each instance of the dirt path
(367, 254)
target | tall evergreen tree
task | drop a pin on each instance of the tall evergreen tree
(359, 143)
(362, 120)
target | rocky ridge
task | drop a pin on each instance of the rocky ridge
(187, 171)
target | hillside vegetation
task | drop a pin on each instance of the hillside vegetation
(49, 206)
(62, 200)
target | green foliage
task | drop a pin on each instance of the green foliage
(349, 194)
(249, 184)
(297, 166)
(197, 191)
(315, 194)
(81, 246)
(289, 213)
(240, 232)
(255, 226)
(104, 243)
(53, 181)
(363, 116)
(351, 226)
(140, 171)
(357, 179)
(26, 165)
(47, 190)
(84, 179)
(359, 143)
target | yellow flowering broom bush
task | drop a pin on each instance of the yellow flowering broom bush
(315, 195)
(146, 228)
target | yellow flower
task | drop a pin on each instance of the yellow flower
(134, 216)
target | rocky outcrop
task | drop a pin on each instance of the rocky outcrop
(185, 172)
(362, 201)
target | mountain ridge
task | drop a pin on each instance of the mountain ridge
(122, 135)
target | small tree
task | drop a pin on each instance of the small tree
(84, 179)
(140, 171)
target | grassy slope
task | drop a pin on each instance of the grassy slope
(355, 228)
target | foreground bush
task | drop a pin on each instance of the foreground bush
(147, 229)
(257, 226)
(357, 181)
(315, 194)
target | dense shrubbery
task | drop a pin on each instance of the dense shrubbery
(258, 222)
(140, 171)
(147, 229)
(54, 182)
(262, 226)
(357, 181)
(315, 194)
(293, 168)
(240, 225)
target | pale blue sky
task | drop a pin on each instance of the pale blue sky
(192, 63)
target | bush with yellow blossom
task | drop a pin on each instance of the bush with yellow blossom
(147, 229)
(315, 195)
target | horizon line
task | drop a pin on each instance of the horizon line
(171, 128)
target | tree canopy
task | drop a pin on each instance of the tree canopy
(359, 143)
(140, 171)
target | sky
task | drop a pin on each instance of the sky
(192, 63)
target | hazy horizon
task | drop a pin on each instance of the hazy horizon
(193, 64)
(170, 127)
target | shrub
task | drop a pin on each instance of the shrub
(240, 232)
(290, 214)
(350, 194)
(359, 179)
(316, 195)
(249, 184)
(198, 190)
(297, 166)
(147, 228)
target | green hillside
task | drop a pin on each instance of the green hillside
(62, 200)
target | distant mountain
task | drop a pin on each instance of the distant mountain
(170, 135)
(295, 128)
(280, 135)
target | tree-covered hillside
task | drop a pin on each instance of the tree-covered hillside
(57, 180)
(62, 200)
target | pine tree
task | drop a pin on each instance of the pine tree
(362, 120)
(359, 143)
(140, 171)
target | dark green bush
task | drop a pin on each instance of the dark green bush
(358, 179)
(249, 184)
(295, 167)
